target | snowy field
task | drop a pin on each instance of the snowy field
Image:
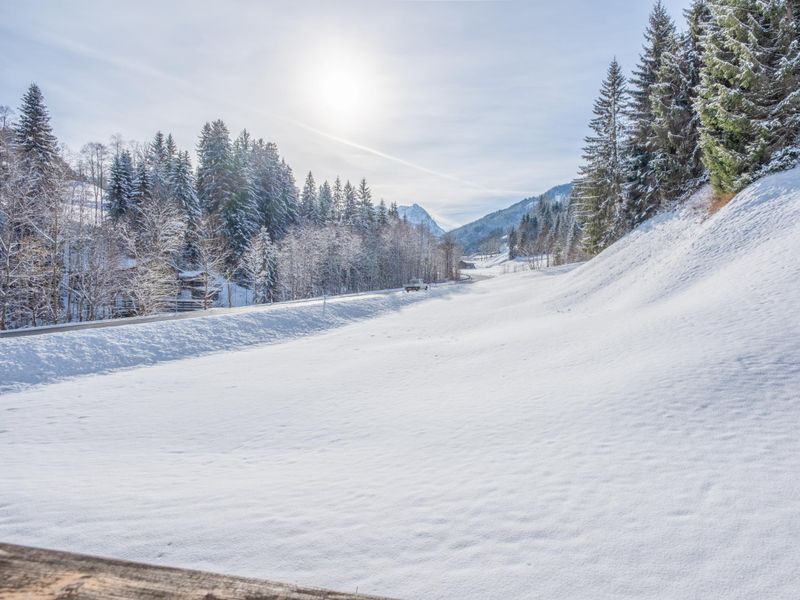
(626, 429)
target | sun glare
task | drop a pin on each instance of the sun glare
(341, 90)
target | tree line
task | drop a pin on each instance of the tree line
(718, 103)
(120, 229)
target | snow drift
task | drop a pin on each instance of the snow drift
(57, 355)
(624, 430)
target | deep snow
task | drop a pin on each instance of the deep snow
(626, 429)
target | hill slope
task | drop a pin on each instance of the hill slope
(622, 430)
(472, 234)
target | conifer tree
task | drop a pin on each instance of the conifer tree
(142, 189)
(239, 209)
(600, 186)
(642, 188)
(260, 265)
(381, 213)
(214, 185)
(338, 199)
(34, 139)
(366, 210)
(308, 200)
(120, 186)
(350, 210)
(325, 203)
(676, 156)
(182, 183)
(749, 97)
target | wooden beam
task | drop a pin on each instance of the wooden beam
(37, 574)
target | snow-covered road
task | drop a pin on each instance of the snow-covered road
(628, 429)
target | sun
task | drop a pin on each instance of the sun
(342, 89)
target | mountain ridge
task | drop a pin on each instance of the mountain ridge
(498, 222)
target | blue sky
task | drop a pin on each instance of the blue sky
(463, 107)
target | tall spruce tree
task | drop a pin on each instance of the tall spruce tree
(308, 200)
(33, 136)
(183, 188)
(600, 185)
(350, 210)
(365, 212)
(749, 96)
(338, 199)
(642, 187)
(120, 186)
(260, 265)
(239, 208)
(675, 149)
(214, 169)
(325, 203)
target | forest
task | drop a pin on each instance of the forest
(135, 229)
(718, 102)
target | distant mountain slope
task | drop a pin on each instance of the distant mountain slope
(472, 234)
(419, 216)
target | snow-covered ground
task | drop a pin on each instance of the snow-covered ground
(625, 429)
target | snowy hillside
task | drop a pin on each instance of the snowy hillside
(471, 235)
(626, 429)
(419, 216)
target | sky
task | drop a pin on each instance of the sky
(461, 107)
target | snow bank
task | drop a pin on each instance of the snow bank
(624, 431)
(52, 356)
(688, 255)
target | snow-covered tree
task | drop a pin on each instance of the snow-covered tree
(350, 209)
(600, 186)
(308, 200)
(214, 177)
(260, 265)
(338, 200)
(183, 186)
(35, 143)
(642, 187)
(239, 209)
(365, 212)
(675, 151)
(325, 203)
(154, 246)
(749, 96)
(120, 186)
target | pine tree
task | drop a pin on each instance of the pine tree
(34, 139)
(260, 265)
(381, 214)
(338, 200)
(350, 210)
(120, 186)
(288, 195)
(325, 203)
(366, 210)
(676, 155)
(600, 186)
(308, 200)
(214, 185)
(239, 210)
(749, 97)
(642, 188)
(142, 188)
(182, 183)
(158, 164)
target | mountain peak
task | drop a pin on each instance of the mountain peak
(419, 216)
